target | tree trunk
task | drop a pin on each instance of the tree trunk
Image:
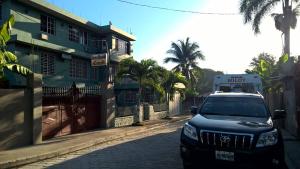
(289, 87)
(168, 104)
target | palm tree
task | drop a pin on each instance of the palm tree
(185, 55)
(146, 72)
(169, 82)
(255, 10)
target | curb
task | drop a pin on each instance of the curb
(48, 155)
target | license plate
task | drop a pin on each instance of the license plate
(224, 155)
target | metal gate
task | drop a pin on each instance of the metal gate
(70, 110)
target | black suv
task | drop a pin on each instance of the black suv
(235, 129)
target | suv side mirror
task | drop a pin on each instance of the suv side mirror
(279, 114)
(194, 110)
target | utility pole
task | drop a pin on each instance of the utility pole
(289, 74)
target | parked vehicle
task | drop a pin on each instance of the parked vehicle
(232, 128)
(249, 83)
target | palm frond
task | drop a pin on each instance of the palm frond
(175, 50)
(261, 13)
(198, 55)
(22, 70)
(250, 7)
(177, 68)
(296, 10)
(5, 30)
(171, 59)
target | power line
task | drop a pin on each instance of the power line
(176, 10)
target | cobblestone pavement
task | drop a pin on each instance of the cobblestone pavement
(155, 149)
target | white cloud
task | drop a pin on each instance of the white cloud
(227, 43)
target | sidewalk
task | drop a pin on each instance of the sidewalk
(292, 150)
(66, 144)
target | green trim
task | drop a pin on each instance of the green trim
(59, 12)
(27, 39)
(64, 15)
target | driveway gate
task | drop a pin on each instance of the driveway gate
(70, 110)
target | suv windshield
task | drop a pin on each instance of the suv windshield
(234, 106)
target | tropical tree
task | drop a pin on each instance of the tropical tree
(7, 59)
(185, 54)
(170, 81)
(146, 73)
(255, 10)
(266, 67)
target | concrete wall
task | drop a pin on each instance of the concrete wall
(275, 102)
(126, 110)
(150, 114)
(124, 121)
(128, 115)
(37, 111)
(14, 128)
(21, 115)
(175, 105)
(108, 109)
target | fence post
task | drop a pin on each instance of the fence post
(33, 107)
(28, 112)
(37, 91)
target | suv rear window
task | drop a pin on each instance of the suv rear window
(234, 106)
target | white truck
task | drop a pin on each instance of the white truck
(248, 83)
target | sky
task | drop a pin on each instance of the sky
(227, 43)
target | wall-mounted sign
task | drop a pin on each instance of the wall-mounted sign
(99, 59)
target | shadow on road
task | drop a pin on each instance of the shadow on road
(159, 151)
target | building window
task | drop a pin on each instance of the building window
(84, 38)
(47, 63)
(117, 44)
(73, 34)
(122, 47)
(78, 68)
(77, 35)
(48, 24)
(104, 45)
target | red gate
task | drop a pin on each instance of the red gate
(70, 110)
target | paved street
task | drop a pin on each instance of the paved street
(158, 149)
(155, 149)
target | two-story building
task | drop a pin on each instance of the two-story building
(60, 46)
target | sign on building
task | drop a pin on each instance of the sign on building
(99, 59)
